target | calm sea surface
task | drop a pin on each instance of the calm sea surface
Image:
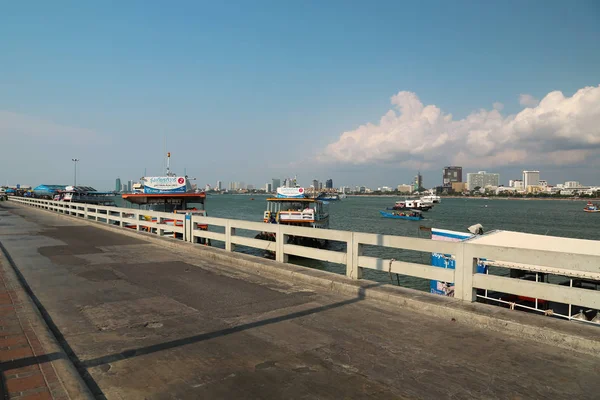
(554, 218)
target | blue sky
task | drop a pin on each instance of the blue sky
(246, 91)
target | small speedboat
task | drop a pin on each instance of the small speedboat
(412, 215)
(591, 207)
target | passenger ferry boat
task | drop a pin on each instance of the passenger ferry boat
(169, 193)
(411, 205)
(591, 207)
(291, 206)
(85, 194)
(431, 198)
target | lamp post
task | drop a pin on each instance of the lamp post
(75, 160)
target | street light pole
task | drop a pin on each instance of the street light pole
(75, 160)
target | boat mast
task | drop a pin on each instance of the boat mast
(169, 164)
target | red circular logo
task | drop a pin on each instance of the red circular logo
(180, 181)
(300, 190)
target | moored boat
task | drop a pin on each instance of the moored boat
(411, 215)
(47, 191)
(291, 206)
(589, 280)
(85, 194)
(171, 194)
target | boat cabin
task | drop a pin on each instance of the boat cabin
(291, 207)
(172, 194)
(178, 203)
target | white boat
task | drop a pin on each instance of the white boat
(291, 206)
(85, 194)
(431, 198)
(589, 280)
(412, 204)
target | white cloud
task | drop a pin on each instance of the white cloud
(20, 125)
(528, 100)
(558, 131)
(498, 106)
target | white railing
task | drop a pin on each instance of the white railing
(193, 229)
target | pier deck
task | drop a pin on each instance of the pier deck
(144, 321)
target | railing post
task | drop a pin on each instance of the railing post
(280, 239)
(229, 231)
(188, 234)
(355, 249)
(160, 231)
(466, 266)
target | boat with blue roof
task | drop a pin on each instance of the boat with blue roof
(411, 215)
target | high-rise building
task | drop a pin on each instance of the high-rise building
(531, 178)
(404, 188)
(482, 179)
(268, 187)
(218, 186)
(315, 184)
(124, 188)
(450, 175)
(129, 185)
(275, 183)
(418, 183)
(572, 184)
(118, 185)
(320, 185)
(329, 184)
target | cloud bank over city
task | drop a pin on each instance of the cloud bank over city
(556, 130)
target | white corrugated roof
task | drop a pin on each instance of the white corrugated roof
(519, 240)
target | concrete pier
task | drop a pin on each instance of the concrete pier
(140, 319)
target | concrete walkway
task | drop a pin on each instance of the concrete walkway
(148, 322)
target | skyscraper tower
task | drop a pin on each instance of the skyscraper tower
(418, 183)
(118, 185)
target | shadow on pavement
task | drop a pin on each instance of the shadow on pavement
(220, 333)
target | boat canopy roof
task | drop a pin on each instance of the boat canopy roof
(294, 200)
(49, 188)
(146, 198)
(80, 189)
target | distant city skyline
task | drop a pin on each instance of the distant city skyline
(430, 180)
(248, 91)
